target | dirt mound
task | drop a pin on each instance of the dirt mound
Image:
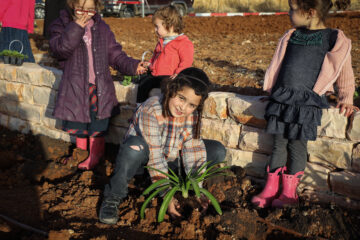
(62, 201)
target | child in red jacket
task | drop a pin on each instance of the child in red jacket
(173, 53)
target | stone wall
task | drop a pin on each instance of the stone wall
(27, 97)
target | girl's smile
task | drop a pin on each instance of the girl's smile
(184, 103)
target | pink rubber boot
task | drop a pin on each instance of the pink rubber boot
(81, 143)
(270, 190)
(97, 147)
(288, 196)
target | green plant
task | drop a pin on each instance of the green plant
(175, 183)
(13, 53)
(127, 80)
(357, 93)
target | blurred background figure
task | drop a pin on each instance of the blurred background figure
(17, 19)
(52, 12)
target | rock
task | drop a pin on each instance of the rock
(330, 152)
(255, 140)
(346, 183)
(315, 177)
(333, 124)
(227, 134)
(215, 106)
(253, 163)
(353, 132)
(122, 119)
(247, 110)
(355, 163)
(333, 198)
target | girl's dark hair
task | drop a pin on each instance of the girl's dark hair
(193, 78)
(171, 18)
(98, 4)
(321, 6)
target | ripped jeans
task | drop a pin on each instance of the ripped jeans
(129, 160)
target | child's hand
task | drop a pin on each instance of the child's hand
(141, 69)
(173, 76)
(172, 208)
(348, 108)
(204, 202)
(145, 64)
(82, 20)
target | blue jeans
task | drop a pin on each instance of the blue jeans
(129, 160)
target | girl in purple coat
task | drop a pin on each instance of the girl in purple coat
(85, 47)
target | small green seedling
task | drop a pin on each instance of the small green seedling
(13, 53)
(175, 183)
(127, 80)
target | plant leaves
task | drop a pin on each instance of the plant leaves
(146, 202)
(212, 199)
(155, 185)
(165, 203)
(166, 174)
(196, 187)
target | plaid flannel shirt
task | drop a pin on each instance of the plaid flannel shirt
(166, 137)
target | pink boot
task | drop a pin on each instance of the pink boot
(270, 190)
(97, 147)
(288, 196)
(81, 143)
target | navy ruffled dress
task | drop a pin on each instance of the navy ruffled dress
(295, 110)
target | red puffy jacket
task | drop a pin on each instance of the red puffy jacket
(173, 58)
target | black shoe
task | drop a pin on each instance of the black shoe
(109, 210)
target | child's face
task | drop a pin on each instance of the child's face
(297, 17)
(184, 103)
(160, 29)
(84, 7)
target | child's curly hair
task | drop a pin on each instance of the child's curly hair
(194, 78)
(171, 18)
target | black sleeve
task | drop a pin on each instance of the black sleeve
(332, 39)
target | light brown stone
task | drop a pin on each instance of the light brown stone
(19, 125)
(29, 73)
(126, 94)
(4, 120)
(255, 139)
(215, 106)
(2, 88)
(44, 96)
(346, 183)
(9, 73)
(15, 91)
(51, 77)
(355, 163)
(254, 163)
(248, 110)
(28, 93)
(331, 152)
(30, 112)
(353, 132)
(315, 177)
(225, 133)
(333, 124)
(49, 120)
(8, 107)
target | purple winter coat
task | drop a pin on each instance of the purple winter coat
(67, 45)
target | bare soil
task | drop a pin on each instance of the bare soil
(60, 200)
(64, 202)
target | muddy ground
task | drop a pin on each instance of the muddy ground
(63, 202)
